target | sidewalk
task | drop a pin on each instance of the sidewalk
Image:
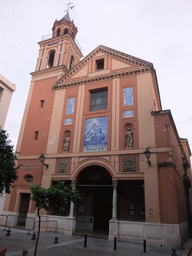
(74, 245)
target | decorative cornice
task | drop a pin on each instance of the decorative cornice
(98, 154)
(63, 83)
(156, 88)
(166, 164)
(49, 71)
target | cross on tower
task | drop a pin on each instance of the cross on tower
(69, 7)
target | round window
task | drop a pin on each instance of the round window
(28, 178)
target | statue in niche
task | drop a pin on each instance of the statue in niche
(66, 143)
(129, 138)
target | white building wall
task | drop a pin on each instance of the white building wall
(6, 90)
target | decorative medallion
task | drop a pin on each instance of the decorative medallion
(63, 166)
(28, 178)
(129, 164)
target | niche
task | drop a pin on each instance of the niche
(66, 141)
(128, 136)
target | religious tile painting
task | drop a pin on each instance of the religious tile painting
(128, 96)
(70, 106)
(128, 113)
(95, 137)
(68, 121)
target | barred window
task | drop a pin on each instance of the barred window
(98, 100)
(1, 92)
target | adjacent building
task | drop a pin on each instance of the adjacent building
(6, 90)
(93, 119)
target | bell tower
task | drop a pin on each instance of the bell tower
(59, 52)
(60, 48)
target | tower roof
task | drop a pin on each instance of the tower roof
(66, 17)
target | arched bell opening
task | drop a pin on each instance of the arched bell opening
(66, 31)
(95, 209)
(58, 32)
(72, 62)
(51, 59)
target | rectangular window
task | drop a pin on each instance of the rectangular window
(98, 100)
(128, 96)
(100, 64)
(36, 135)
(42, 103)
(1, 92)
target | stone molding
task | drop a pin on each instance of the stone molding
(64, 83)
(142, 66)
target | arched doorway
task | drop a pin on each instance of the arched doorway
(95, 209)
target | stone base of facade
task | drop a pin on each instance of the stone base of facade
(157, 234)
(50, 223)
(61, 224)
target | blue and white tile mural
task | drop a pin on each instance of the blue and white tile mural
(95, 137)
(128, 96)
(70, 106)
(68, 121)
(128, 113)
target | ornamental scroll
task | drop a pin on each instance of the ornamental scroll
(129, 164)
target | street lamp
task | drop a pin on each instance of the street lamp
(42, 160)
(147, 155)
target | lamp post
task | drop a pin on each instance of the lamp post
(42, 160)
(147, 155)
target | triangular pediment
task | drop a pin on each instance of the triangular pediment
(115, 62)
(81, 72)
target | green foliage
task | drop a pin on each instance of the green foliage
(7, 165)
(56, 197)
(40, 196)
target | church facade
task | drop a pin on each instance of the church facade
(94, 119)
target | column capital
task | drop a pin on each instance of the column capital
(114, 183)
(73, 183)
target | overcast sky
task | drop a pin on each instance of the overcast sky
(158, 31)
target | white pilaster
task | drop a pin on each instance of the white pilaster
(114, 210)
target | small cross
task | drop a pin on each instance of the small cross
(69, 7)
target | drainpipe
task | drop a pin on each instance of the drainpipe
(187, 186)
